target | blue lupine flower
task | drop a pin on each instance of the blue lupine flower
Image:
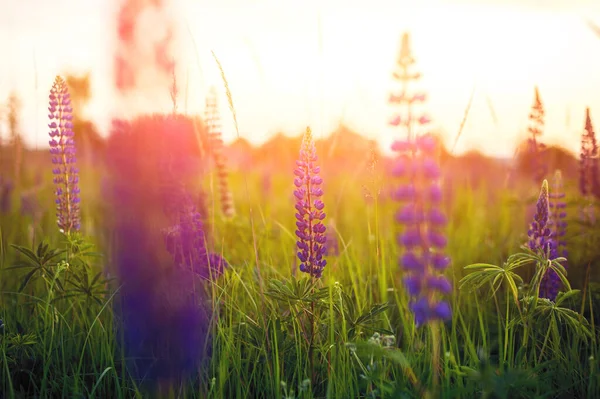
(62, 148)
(186, 242)
(311, 231)
(423, 239)
(163, 311)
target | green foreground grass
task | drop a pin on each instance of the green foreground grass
(365, 343)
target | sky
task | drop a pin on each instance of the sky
(291, 64)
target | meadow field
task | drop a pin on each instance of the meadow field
(156, 261)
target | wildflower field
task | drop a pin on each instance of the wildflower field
(157, 261)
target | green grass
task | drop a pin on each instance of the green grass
(261, 341)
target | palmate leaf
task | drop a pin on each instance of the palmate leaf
(485, 273)
(41, 261)
(542, 309)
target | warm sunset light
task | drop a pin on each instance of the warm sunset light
(325, 63)
(319, 199)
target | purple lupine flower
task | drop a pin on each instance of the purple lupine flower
(62, 148)
(163, 310)
(311, 231)
(539, 233)
(423, 239)
(536, 129)
(541, 239)
(589, 183)
(550, 281)
(186, 242)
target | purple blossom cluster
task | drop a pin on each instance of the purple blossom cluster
(186, 242)
(539, 233)
(311, 231)
(542, 237)
(163, 312)
(62, 148)
(423, 238)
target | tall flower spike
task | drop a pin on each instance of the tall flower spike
(550, 281)
(311, 231)
(213, 124)
(536, 129)
(540, 234)
(423, 239)
(186, 241)
(62, 148)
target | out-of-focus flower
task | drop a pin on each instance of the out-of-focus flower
(423, 239)
(186, 242)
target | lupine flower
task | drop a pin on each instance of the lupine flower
(539, 233)
(163, 315)
(164, 318)
(311, 231)
(186, 242)
(212, 120)
(589, 183)
(423, 239)
(541, 238)
(536, 129)
(62, 148)
(551, 282)
(6, 189)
